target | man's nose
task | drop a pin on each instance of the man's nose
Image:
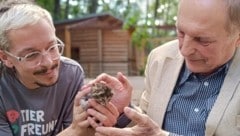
(187, 46)
(46, 59)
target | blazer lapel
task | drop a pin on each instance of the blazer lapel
(163, 87)
(227, 91)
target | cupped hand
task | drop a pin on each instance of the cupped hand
(101, 115)
(80, 121)
(144, 127)
(122, 89)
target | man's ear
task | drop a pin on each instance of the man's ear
(238, 41)
(5, 60)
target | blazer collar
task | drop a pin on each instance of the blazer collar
(227, 91)
(163, 87)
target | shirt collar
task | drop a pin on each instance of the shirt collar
(187, 73)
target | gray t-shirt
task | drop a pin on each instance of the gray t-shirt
(41, 112)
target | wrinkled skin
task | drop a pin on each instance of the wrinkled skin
(144, 126)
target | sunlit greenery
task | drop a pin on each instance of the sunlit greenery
(148, 18)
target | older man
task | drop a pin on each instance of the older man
(192, 84)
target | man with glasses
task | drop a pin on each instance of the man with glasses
(37, 84)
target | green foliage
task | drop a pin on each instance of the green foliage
(47, 4)
(139, 15)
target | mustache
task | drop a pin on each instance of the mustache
(44, 70)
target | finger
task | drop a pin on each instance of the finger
(81, 117)
(113, 109)
(123, 79)
(90, 83)
(103, 118)
(100, 78)
(97, 106)
(84, 124)
(138, 118)
(111, 81)
(98, 134)
(111, 131)
(104, 77)
(92, 121)
(84, 86)
(108, 108)
(97, 79)
(106, 114)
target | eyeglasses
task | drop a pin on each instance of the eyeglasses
(35, 58)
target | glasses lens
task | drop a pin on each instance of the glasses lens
(32, 58)
(55, 51)
(60, 48)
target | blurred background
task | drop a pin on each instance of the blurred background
(112, 35)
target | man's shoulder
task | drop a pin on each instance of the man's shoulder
(70, 66)
(169, 49)
(68, 61)
(169, 46)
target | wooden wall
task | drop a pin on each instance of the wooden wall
(101, 50)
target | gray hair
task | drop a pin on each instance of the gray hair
(17, 15)
(233, 9)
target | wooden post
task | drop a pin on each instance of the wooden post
(100, 51)
(67, 42)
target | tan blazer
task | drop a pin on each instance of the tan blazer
(162, 70)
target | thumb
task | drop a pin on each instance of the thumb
(123, 79)
(80, 95)
(136, 117)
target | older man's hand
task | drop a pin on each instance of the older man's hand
(144, 127)
(122, 90)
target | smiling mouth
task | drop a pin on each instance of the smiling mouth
(46, 71)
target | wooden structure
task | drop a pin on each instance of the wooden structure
(98, 43)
